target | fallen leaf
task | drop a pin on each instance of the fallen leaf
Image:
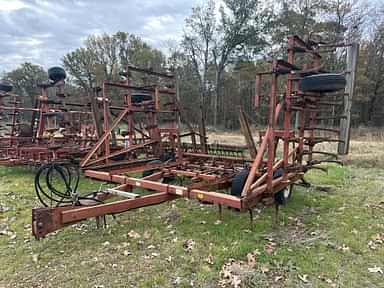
(379, 238)
(303, 278)
(269, 247)
(133, 234)
(236, 281)
(372, 245)
(209, 259)
(189, 245)
(176, 281)
(251, 258)
(278, 278)
(344, 248)
(146, 235)
(125, 244)
(264, 269)
(375, 270)
(35, 258)
(234, 273)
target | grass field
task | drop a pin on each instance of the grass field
(330, 235)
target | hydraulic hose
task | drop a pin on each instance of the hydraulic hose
(56, 185)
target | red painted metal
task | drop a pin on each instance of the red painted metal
(47, 140)
(208, 167)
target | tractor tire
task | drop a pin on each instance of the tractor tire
(282, 196)
(140, 97)
(238, 182)
(165, 180)
(327, 82)
(5, 86)
(56, 74)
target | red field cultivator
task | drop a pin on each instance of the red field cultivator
(153, 144)
(50, 130)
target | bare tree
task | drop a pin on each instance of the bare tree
(239, 28)
(198, 42)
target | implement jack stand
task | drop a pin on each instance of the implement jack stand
(276, 216)
(251, 218)
(101, 222)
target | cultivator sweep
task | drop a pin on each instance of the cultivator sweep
(237, 177)
(56, 131)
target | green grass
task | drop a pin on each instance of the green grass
(313, 229)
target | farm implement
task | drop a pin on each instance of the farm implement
(53, 129)
(301, 96)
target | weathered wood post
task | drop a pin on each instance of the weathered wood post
(345, 122)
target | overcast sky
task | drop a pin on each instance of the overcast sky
(42, 31)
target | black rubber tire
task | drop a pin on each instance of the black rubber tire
(328, 82)
(56, 74)
(140, 97)
(283, 195)
(165, 180)
(5, 86)
(238, 182)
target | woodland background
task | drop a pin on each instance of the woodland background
(222, 48)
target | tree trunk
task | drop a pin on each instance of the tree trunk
(216, 97)
(202, 130)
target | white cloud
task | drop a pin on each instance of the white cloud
(27, 41)
(43, 31)
(11, 5)
(158, 23)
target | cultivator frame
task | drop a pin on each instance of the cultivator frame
(208, 173)
(41, 145)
